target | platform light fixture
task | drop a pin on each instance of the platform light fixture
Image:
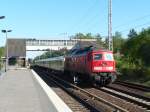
(6, 31)
(2, 17)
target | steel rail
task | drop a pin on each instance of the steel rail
(134, 86)
(93, 97)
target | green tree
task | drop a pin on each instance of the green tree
(51, 54)
(129, 49)
(1, 54)
(144, 53)
(79, 36)
(144, 46)
(132, 33)
(89, 35)
(99, 40)
(83, 36)
(118, 42)
(136, 48)
(1, 51)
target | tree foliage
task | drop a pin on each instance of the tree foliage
(1, 51)
(51, 54)
(61, 52)
(118, 42)
(83, 36)
(137, 48)
(1, 54)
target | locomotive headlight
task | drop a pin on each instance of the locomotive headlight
(109, 68)
(97, 68)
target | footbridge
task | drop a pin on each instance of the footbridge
(47, 45)
(33, 47)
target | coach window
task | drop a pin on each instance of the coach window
(97, 56)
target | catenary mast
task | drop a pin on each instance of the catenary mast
(110, 38)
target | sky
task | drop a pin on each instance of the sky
(59, 19)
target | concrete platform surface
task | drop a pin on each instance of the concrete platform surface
(22, 90)
(18, 92)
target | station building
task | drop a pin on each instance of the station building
(16, 52)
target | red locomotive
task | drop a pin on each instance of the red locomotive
(84, 63)
(87, 63)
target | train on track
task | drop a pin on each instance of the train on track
(87, 64)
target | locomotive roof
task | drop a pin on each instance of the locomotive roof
(102, 50)
(84, 44)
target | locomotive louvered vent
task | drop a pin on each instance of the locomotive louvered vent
(85, 44)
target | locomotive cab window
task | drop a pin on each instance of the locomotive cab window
(97, 56)
(108, 56)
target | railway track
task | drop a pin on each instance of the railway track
(130, 91)
(130, 94)
(138, 100)
(74, 104)
(100, 99)
(134, 86)
(94, 103)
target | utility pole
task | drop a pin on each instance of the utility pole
(1, 17)
(110, 38)
(7, 55)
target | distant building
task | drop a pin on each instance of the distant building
(16, 51)
(16, 48)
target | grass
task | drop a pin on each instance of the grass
(133, 73)
(147, 94)
(139, 76)
(147, 83)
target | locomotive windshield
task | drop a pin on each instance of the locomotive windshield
(97, 56)
(108, 56)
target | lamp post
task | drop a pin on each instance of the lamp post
(2, 17)
(6, 31)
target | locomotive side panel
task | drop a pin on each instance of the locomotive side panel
(98, 66)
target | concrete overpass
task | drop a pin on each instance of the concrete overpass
(47, 45)
(36, 47)
(29, 48)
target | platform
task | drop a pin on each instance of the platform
(20, 91)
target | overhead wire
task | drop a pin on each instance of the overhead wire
(137, 19)
(85, 22)
(90, 23)
(83, 18)
(116, 28)
(131, 21)
(136, 27)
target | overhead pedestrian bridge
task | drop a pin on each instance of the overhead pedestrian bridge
(47, 45)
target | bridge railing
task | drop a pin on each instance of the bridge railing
(50, 42)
